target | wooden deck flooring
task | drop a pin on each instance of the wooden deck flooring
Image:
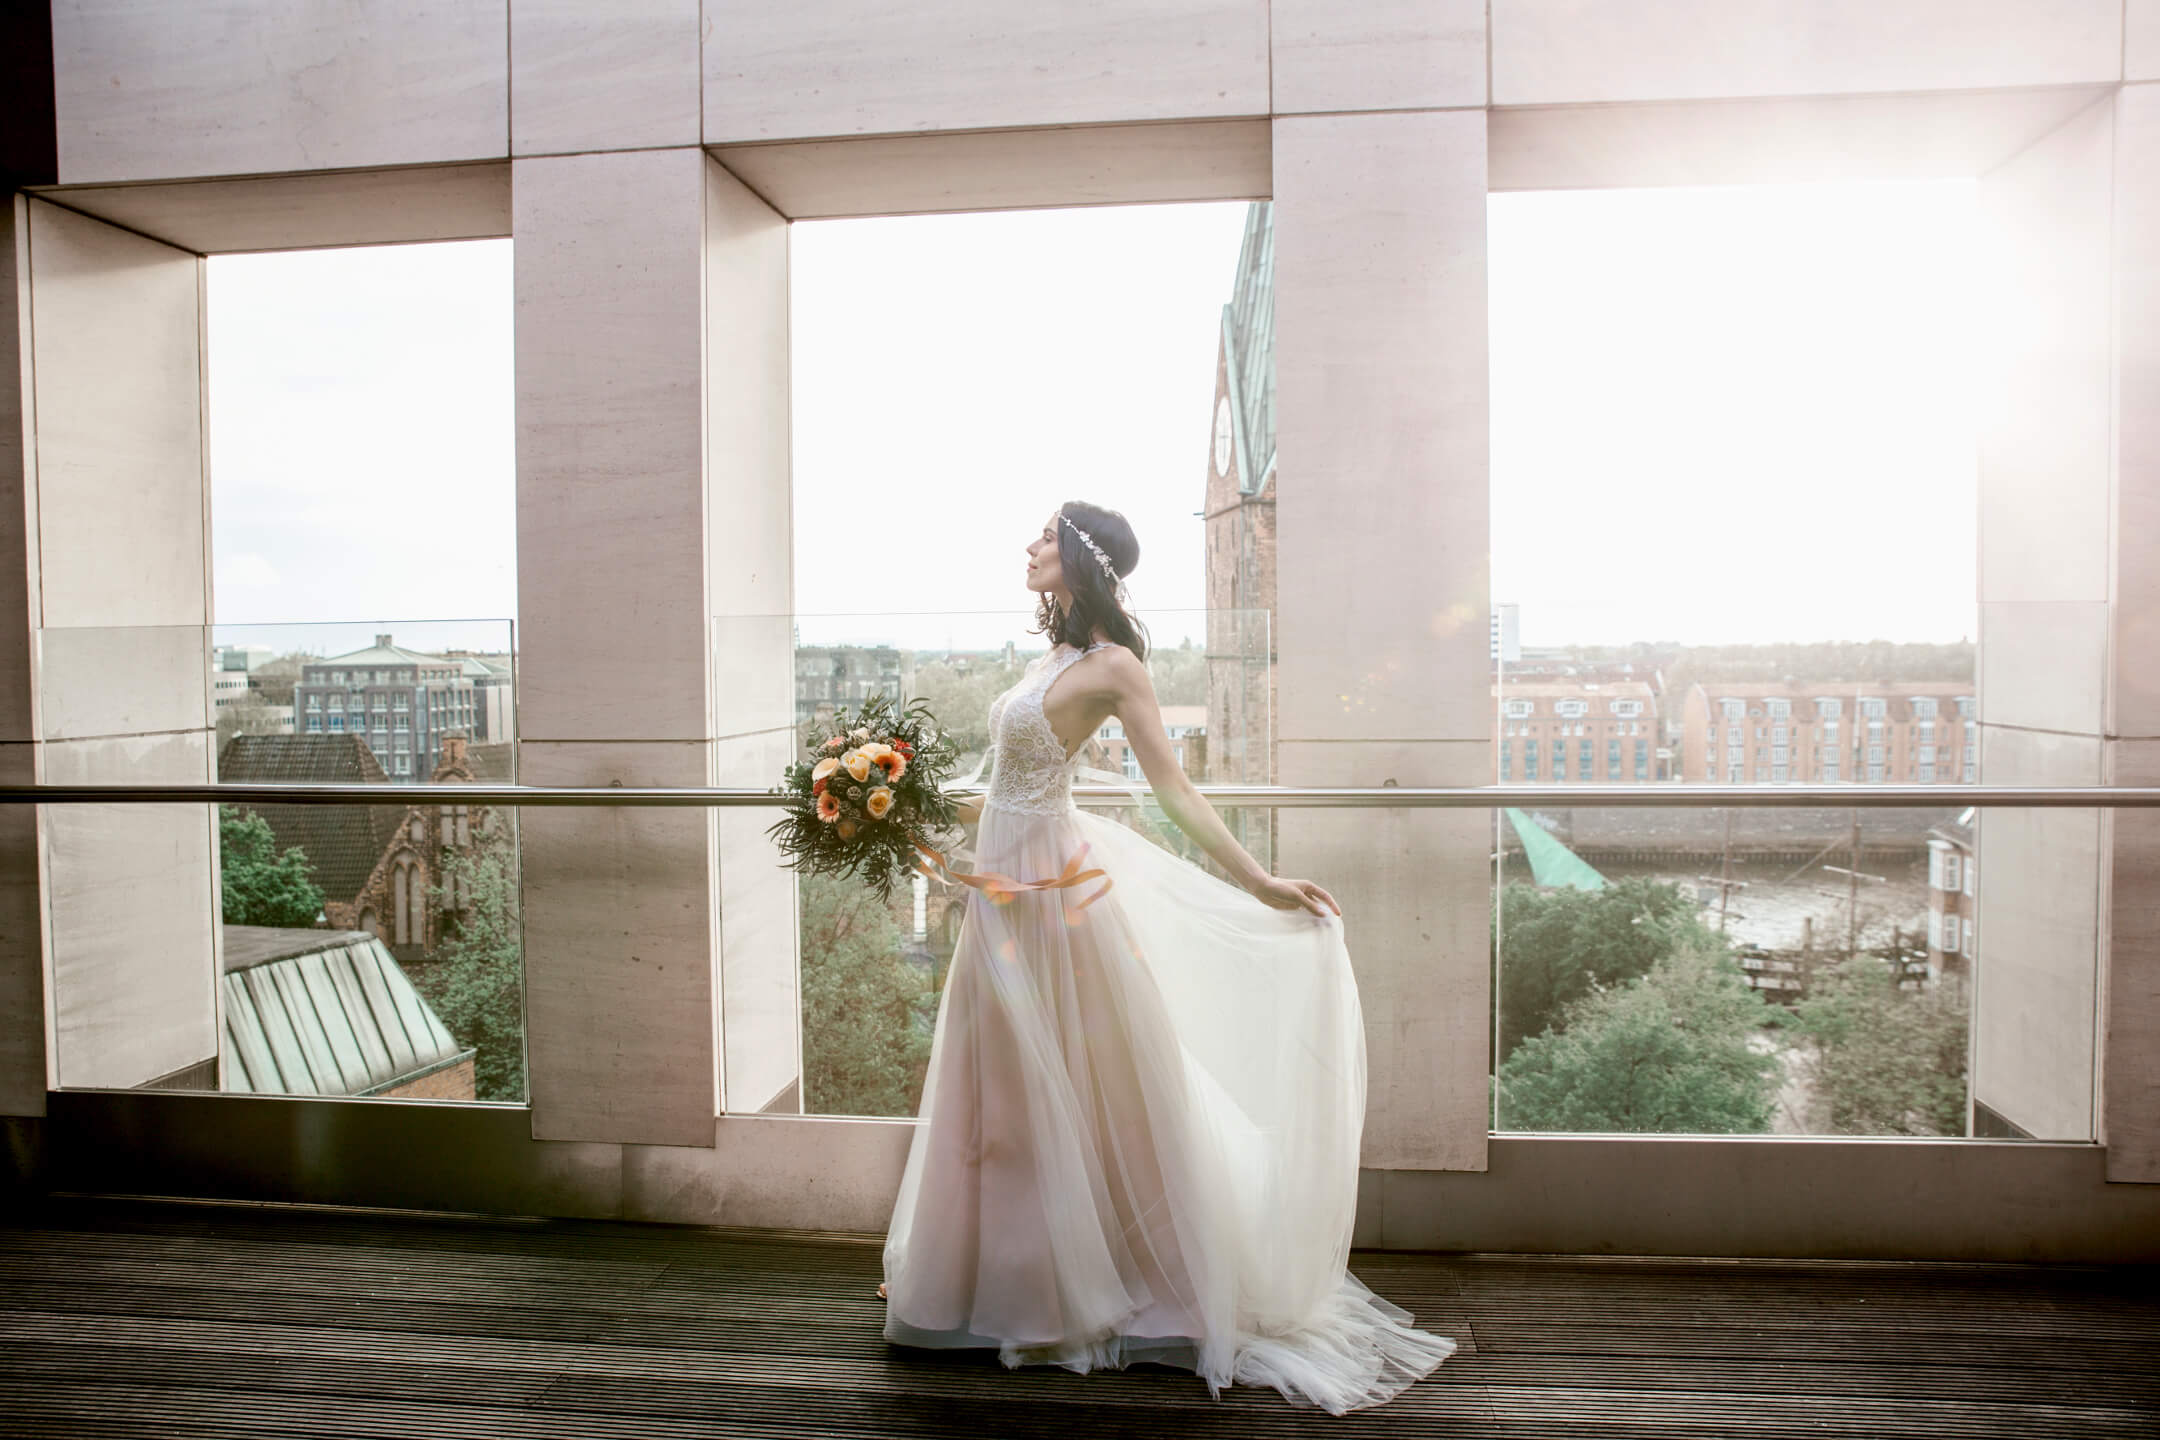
(182, 1320)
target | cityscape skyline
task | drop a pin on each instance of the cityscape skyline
(932, 357)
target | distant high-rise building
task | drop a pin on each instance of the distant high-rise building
(843, 676)
(402, 701)
(1506, 636)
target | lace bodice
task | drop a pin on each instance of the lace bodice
(1028, 768)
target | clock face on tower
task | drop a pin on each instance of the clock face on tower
(1222, 435)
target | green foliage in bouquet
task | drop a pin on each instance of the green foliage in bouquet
(868, 795)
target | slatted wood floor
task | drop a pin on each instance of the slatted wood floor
(131, 1318)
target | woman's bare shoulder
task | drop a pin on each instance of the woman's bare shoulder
(1117, 669)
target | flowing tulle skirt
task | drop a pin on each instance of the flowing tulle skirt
(1141, 1138)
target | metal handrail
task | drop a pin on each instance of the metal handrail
(1664, 794)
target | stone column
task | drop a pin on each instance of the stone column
(2130, 1064)
(652, 487)
(114, 512)
(2045, 461)
(1383, 552)
(22, 952)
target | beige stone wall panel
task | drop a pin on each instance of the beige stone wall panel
(2134, 691)
(1382, 417)
(1785, 140)
(858, 67)
(2141, 40)
(2130, 1053)
(1377, 54)
(116, 352)
(1416, 890)
(2045, 412)
(611, 503)
(1009, 169)
(151, 90)
(1561, 52)
(603, 75)
(618, 951)
(131, 892)
(2036, 971)
(305, 212)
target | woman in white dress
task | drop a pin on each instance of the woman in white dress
(1142, 1114)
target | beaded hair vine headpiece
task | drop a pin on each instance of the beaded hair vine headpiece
(1102, 559)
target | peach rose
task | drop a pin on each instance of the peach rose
(828, 808)
(893, 763)
(857, 764)
(879, 801)
(847, 829)
(825, 767)
(875, 748)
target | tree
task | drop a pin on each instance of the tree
(256, 885)
(1560, 944)
(866, 1040)
(248, 714)
(1668, 1051)
(1887, 1061)
(1179, 674)
(477, 981)
(960, 693)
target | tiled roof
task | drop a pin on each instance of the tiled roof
(323, 1012)
(1881, 689)
(1615, 689)
(342, 841)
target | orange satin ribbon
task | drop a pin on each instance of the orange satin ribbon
(1002, 889)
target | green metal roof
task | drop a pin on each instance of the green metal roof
(324, 1012)
(1552, 863)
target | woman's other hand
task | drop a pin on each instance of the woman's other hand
(1296, 894)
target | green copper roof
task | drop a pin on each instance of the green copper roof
(1552, 863)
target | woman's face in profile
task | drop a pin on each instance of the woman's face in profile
(1044, 572)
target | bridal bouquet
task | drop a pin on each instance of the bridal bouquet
(867, 800)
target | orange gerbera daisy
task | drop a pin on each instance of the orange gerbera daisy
(893, 763)
(828, 808)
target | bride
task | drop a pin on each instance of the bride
(1142, 1113)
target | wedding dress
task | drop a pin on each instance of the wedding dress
(1142, 1115)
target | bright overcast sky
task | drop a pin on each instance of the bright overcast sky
(1718, 415)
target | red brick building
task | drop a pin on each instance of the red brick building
(1901, 733)
(1577, 732)
(1239, 514)
(379, 866)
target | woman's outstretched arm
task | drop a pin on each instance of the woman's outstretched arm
(1132, 699)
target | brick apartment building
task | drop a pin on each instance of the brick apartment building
(1953, 885)
(1900, 733)
(1187, 725)
(1577, 731)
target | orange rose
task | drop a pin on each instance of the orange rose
(847, 829)
(878, 802)
(828, 808)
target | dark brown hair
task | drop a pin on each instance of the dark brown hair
(1094, 595)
